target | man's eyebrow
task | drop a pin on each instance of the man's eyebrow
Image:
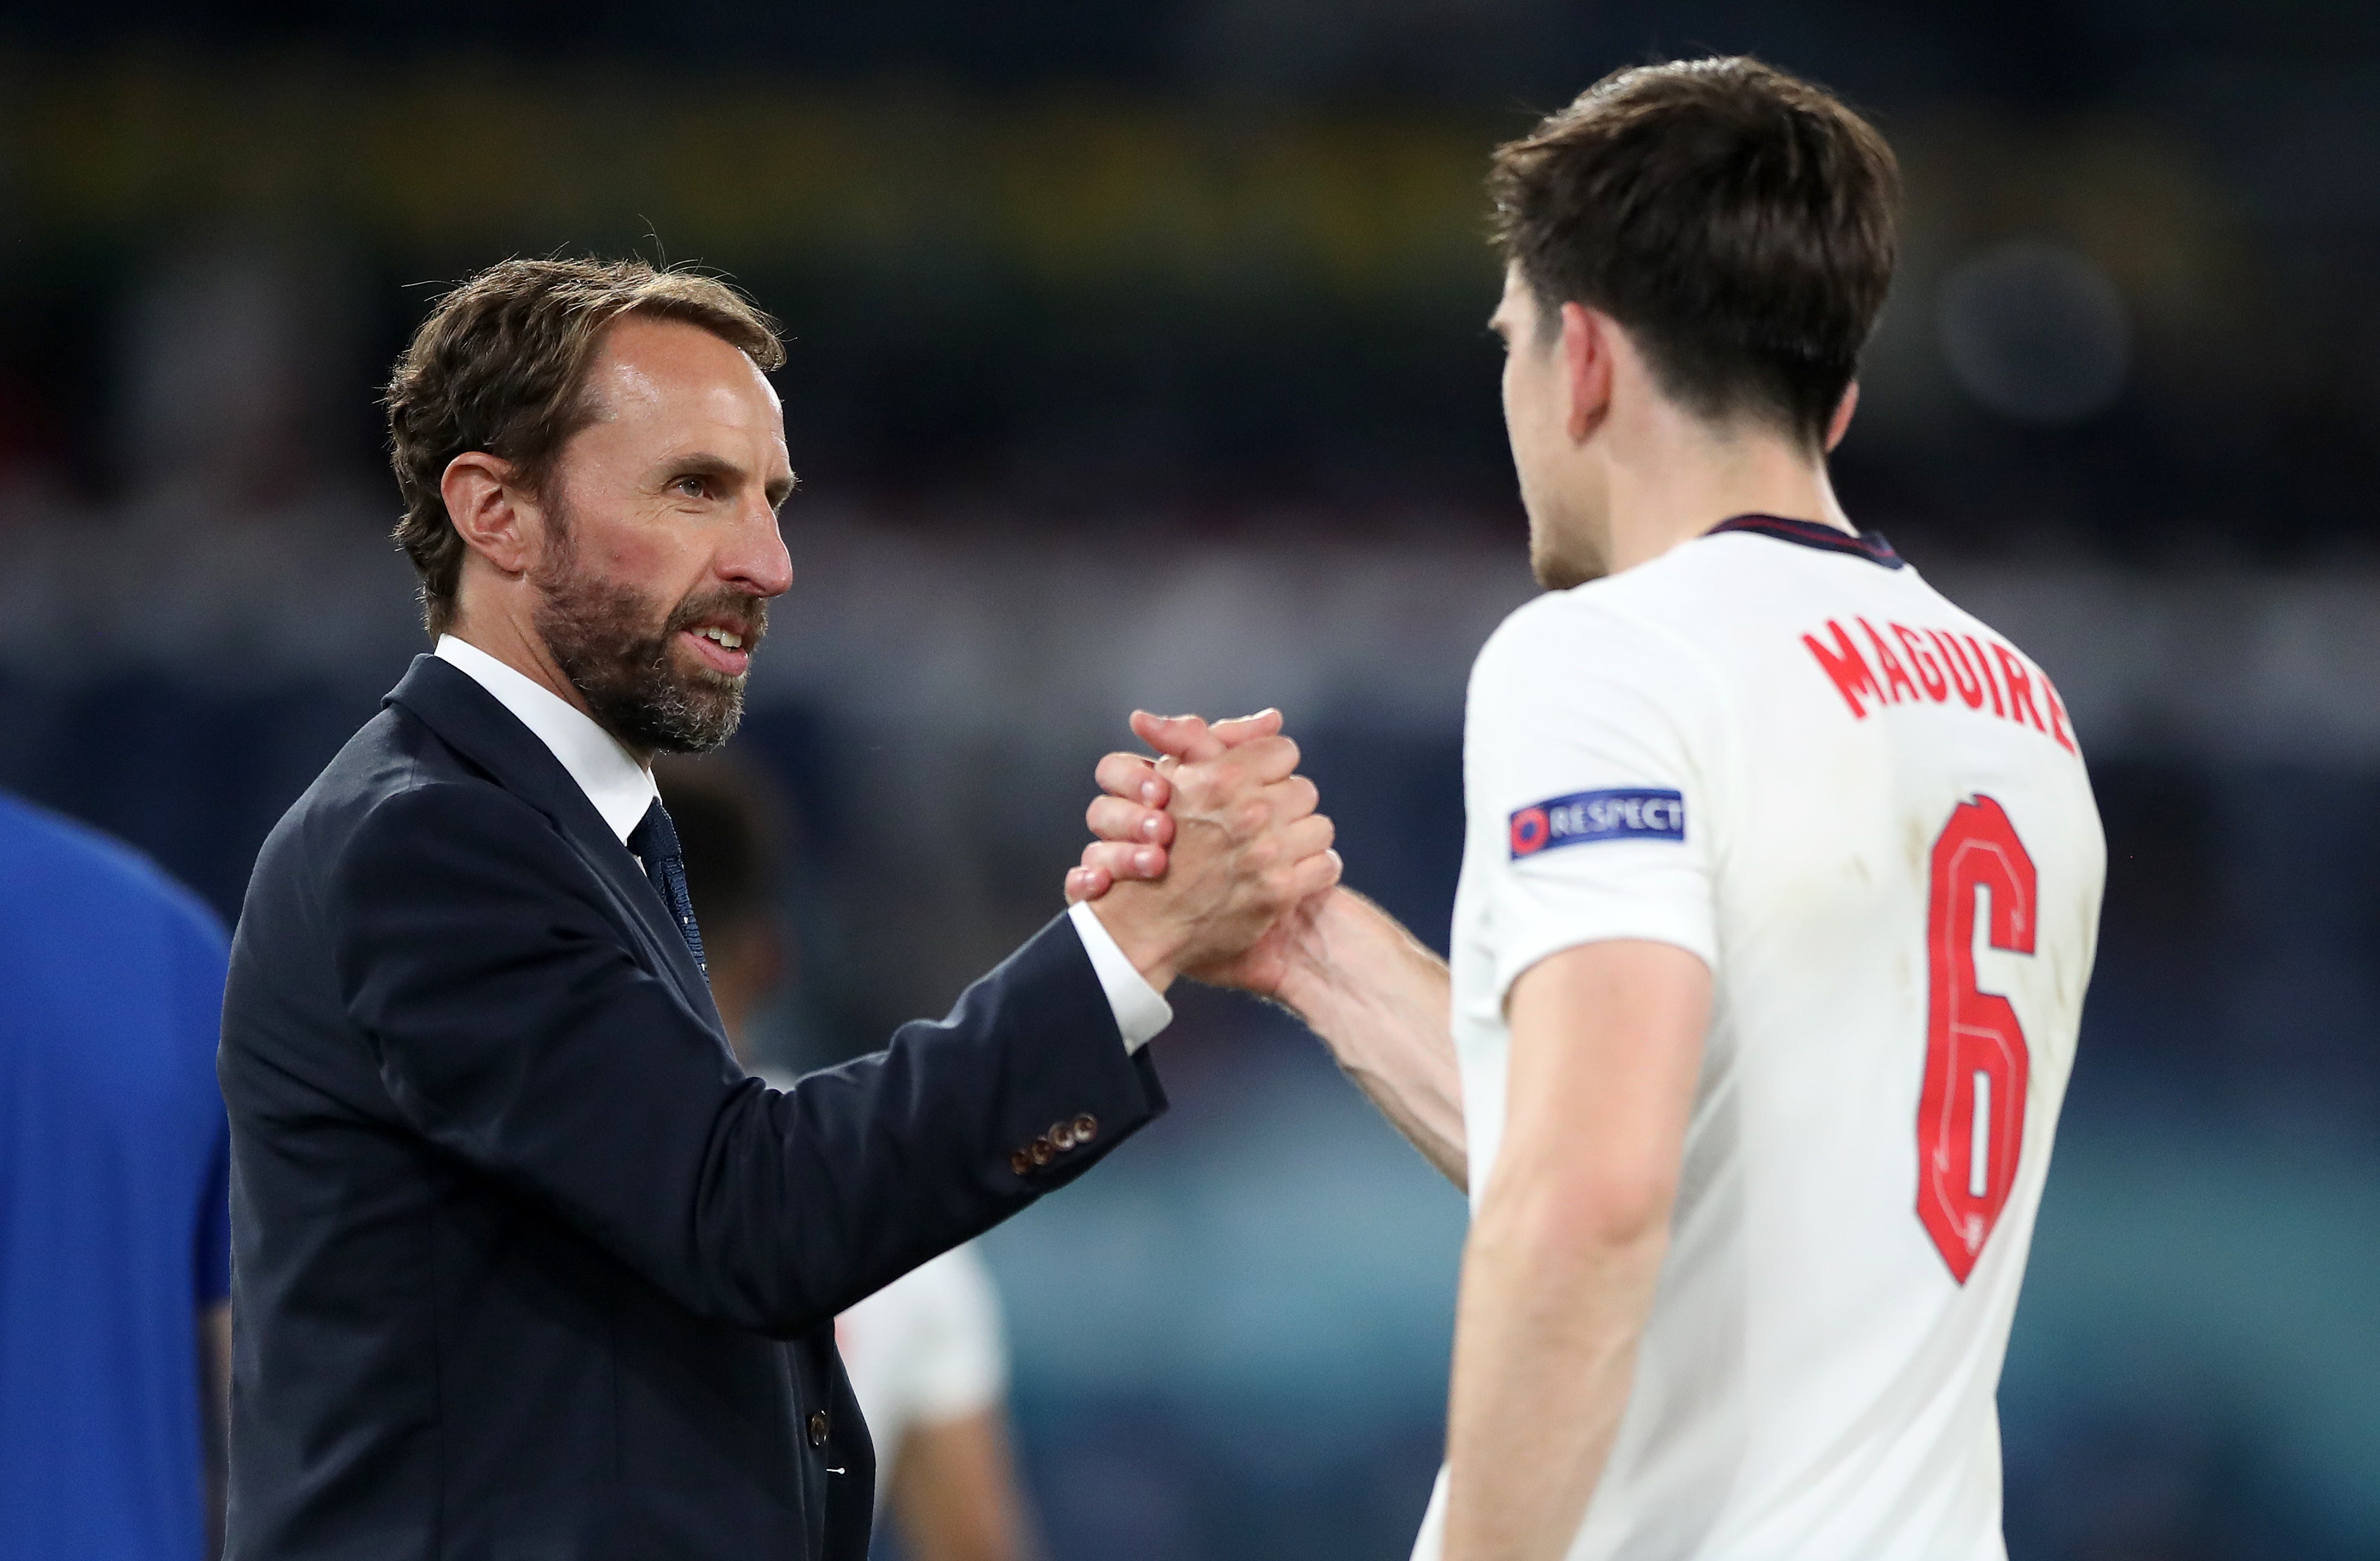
(703, 463)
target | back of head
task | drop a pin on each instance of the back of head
(731, 826)
(730, 830)
(1738, 222)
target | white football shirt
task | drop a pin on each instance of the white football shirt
(928, 1347)
(1778, 748)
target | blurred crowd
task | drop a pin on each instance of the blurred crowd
(1136, 358)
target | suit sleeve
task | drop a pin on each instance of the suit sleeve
(513, 1025)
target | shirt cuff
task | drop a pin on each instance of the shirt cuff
(1140, 1010)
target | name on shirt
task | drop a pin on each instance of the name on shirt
(1585, 817)
(1936, 665)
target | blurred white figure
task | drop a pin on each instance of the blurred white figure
(928, 1360)
(927, 1355)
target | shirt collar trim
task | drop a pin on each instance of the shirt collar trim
(1811, 533)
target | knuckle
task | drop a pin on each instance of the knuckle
(1252, 815)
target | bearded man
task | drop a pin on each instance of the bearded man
(523, 1263)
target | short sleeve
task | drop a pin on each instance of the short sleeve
(1589, 742)
(961, 1367)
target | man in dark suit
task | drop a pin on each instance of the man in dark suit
(524, 1264)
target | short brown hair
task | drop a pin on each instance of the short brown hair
(731, 824)
(501, 365)
(1739, 223)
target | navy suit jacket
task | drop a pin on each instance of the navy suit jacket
(524, 1266)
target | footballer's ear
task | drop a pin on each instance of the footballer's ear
(1587, 344)
(1840, 423)
(489, 512)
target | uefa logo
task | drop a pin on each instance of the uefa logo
(1530, 831)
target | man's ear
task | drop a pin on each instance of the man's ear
(494, 519)
(1586, 369)
(1840, 423)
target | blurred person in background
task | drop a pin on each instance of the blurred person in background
(927, 1354)
(1780, 892)
(115, 1247)
(525, 1262)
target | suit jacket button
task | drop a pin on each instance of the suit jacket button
(1087, 1127)
(1020, 1162)
(817, 1428)
(1041, 1152)
(1061, 1135)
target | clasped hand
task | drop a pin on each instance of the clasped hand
(1210, 859)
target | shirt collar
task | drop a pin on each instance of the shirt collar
(620, 788)
(1869, 545)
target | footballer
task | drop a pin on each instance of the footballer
(1780, 888)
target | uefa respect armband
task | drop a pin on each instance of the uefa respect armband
(1583, 818)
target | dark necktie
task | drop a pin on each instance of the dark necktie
(655, 843)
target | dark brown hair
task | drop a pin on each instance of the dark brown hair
(732, 827)
(500, 366)
(1738, 222)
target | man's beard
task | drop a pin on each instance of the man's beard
(1558, 568)
(1555, 572)
(595, 631)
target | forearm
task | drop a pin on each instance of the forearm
(1381, 1002)
(214, 1413)
(954, 1491)
(1546, 1335)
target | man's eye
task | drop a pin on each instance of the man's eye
(694, 487)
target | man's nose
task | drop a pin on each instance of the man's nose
(757, 556)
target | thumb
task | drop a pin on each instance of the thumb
(1242, 728)
(1186, 738)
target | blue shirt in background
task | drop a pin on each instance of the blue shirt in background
(114, 1219)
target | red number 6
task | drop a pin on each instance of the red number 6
(1970, 1118)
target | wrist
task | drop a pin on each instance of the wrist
(1310, 975)
(1152, 943)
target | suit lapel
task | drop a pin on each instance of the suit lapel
(474, 722)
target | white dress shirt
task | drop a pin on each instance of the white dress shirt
(622, 791)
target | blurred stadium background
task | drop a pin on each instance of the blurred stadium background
(1137, 359)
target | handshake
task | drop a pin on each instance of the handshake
(1210, 860)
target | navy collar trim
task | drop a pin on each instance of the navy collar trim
(1810, 533)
